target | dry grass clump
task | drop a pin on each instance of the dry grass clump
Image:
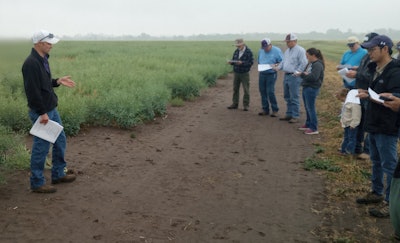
(354, 175)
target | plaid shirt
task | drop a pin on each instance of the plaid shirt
(246, 58)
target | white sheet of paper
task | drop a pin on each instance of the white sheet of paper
(374, 95)
(48, 132)
(351, 97)
(343, 72)
(264, 67)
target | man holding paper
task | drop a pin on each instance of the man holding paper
(42, 103)
(351, 60)
(268, 56)
(381, 123)
(242, 60)
(294, 62)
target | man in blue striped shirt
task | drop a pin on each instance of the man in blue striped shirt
(294, 62)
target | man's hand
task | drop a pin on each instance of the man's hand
(66, 81)
(362, 94)
(394, 104)
(44, 118)
(351, 74)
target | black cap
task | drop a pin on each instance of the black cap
(369, 36)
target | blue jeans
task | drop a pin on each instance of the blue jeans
(309, 98)
(383, 154)
(40, 149)
(266, 85)
(349, 140)
(291, 94)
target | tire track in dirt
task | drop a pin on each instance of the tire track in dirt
(202, 174)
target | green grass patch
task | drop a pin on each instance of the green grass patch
(177, 102)
(321, 164)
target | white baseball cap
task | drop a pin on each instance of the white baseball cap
(44, 36)
(290, 37)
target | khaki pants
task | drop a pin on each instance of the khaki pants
(244, 79)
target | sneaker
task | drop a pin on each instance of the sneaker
(232, 107)
(303, 128)
(65, 179)
(263, 113)
(294, 120)
(371, 197)
(382, 211)
(363, 156)
(286, 118)
(274, 114)
(310, 132)
(45, 189)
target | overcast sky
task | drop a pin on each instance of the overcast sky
(20, 18)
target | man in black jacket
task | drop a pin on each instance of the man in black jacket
(362, 77)
(42, 104)
(242, 61)
(382, 123)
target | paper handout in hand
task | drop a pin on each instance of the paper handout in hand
(343, 72)
(376, 97)
(48, 132)
(352, 97)
(264, 67)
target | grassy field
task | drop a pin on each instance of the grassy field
(123, 84)
(119, 83)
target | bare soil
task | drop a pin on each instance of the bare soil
(202, 173)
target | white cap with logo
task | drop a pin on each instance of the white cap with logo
(44, 36)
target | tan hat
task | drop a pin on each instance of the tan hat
(352, 39)
(239, 42)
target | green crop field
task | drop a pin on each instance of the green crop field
(119, 83)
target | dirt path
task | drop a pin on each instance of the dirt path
(202, 174)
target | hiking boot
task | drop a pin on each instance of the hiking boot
(286, 118)
(263, 113)
(363, 156)
(65, 179)
(303, 128)
(232, 107)
(293, 120)
(310, 132)
(382, 211)
(45, 189)
(371, 197)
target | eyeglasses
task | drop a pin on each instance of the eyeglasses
(47, 36)
(351, 45)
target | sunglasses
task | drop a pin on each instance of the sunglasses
(47, 36)
(351, 44)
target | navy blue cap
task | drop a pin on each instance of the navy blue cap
(379, 40)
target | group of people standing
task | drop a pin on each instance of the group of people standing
(371, 126)
(371, 105)
(301, 69)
